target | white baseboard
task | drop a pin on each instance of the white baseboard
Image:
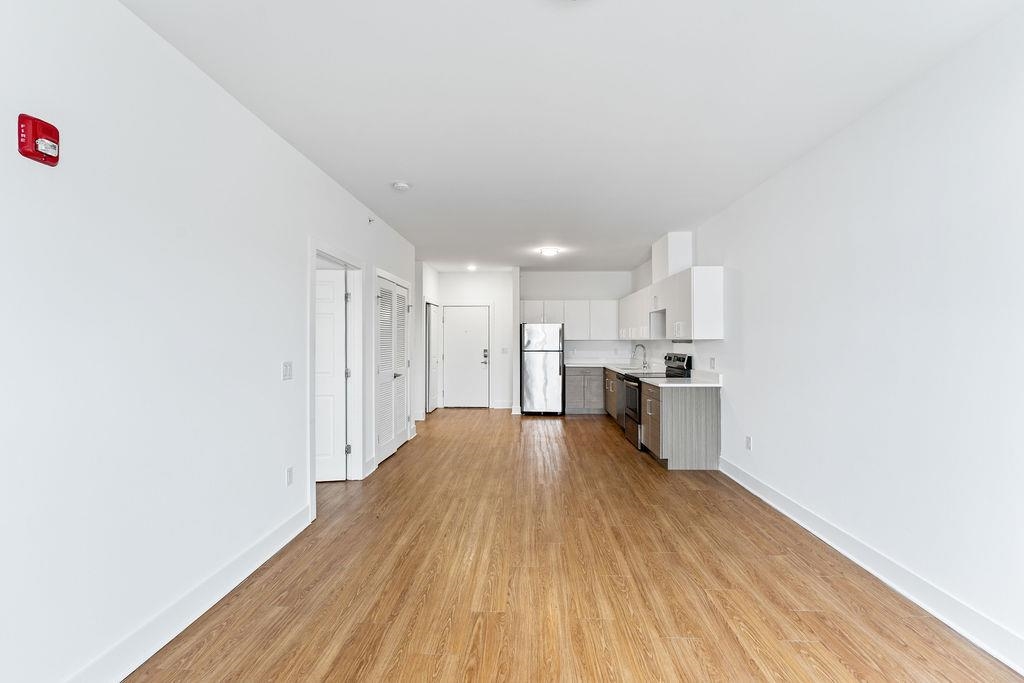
(994, 638)
(127, 655)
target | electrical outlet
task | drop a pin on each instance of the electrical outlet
(750, 443)
(712, 362)
(287, 371)
(289, 476)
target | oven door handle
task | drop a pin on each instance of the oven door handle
(635, 385)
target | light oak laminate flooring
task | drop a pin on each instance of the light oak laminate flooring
(494, 547)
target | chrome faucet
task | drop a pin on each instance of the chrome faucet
(640, 346)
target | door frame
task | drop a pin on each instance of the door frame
(428, 301)
(355, 389)
(490, 351)
(410, 429)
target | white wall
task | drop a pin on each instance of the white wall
(496, 290)
(573, 285)
(426, 286)
(153, 284)
(670, 254)
(431, 284)
(515, 350)
(641, 276)
(875, 306)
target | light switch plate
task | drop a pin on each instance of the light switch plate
(287, 371)
(712, 362)
(750, 443)
(289, 476)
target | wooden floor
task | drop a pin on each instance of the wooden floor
(494, 547)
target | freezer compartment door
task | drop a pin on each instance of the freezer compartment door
(542, 382)
(542, 337)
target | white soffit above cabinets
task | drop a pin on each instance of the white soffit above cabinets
(596, 126)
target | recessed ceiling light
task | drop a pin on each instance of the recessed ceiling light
(401, 186)
(471, 266)
(549, 251)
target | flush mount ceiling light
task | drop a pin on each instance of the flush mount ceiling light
(471, 266)
(401, 186)
(549, 251)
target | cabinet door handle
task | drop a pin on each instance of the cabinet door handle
(649, 406)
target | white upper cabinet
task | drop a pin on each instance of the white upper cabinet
(554, 311)
(577, 320)
(533, 312)
(624, 318)
(604, 319)
(689, 305)
(640, 314)
(696, 305)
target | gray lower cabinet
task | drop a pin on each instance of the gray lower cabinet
(584, 391)
(610, 401)
(612, 397)
(650, 419)
(681, 427)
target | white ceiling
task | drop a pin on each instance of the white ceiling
(594, 125)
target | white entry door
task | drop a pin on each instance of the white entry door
(392, 376)
(466, 356)
(329, 354)
(433, 357)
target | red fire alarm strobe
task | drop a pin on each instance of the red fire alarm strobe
(38, 140)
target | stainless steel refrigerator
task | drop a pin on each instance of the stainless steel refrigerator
(541, 387)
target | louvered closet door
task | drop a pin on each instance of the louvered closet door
(392, 372)
(401, 371)
(384, 395)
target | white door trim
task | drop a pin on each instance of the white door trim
(425, 351)
(490, 340)
(354, 341)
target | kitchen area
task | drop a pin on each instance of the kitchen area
(632, 358)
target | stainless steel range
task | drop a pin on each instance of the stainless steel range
(676, 365)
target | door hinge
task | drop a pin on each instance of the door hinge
(408, 363)
(348, 449)
(348, 297)
(408, 309)
(348, 373)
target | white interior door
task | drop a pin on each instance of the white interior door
(466, 356)
(433, 357)
(329, 354)
(391, 390)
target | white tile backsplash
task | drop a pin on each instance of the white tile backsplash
(622, 350)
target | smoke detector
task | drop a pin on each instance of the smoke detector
(401, 186)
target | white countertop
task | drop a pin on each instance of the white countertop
(700, 378)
